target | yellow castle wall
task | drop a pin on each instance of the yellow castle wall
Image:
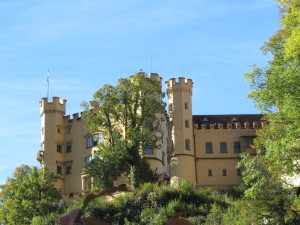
(171, 158)
(216, 161)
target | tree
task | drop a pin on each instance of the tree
(29, 193)
(124, 115)
(276, 92)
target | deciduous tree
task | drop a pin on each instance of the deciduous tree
(29, 193)
(276, 92)
(124, 116)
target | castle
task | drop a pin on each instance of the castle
(204, 149)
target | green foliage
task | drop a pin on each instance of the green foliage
(120, 114)
(276, 92)
(152, 204)
(50, 219)
(29, 193)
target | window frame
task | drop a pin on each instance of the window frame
(209, 173)
(186, 124)
(69, 147)
(68, 168)
(235, 148)
(206, 149)
(224, 173)
(90, 141)
(59, 168)
(59, 147)
(222, 150)
(186, 105)
(187, 145)
(149, 150)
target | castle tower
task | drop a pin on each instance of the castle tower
(181, 128)
(52, 135)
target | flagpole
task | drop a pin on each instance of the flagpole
(48, 75)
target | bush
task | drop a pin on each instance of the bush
(51, 219)
(154, 205)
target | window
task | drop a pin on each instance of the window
(186, 123)
(238, 172)
(69, 130)
(210, 172)
(223, 148)
(58, 168)
(149, 125)
(68, 168)
(69, 147)
(224, 172)
(187, 145)
(87, 160)
(208, 148)
(59, 129)
(90, 142)
(149, 150)
(98, 139)
(59, 148)
(186, 105)
(237, 147)
(163, 158)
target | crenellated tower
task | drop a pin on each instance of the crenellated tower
(181, 128)
(52, 135)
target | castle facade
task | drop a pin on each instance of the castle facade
(204, 149)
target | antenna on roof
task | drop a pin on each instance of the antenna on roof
(151, 65)
(48, 83)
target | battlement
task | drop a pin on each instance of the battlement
(238, 121)
(182, 82)
(155, 76)
(182, 85)
(229, 126)
(75, 116)
(57, 105)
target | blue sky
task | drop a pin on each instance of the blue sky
(88, 43)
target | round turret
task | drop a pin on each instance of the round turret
(181, 128)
